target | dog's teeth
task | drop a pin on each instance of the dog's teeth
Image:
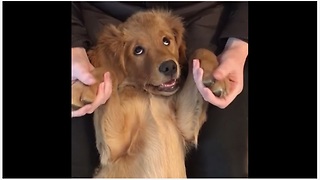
(170, 83)
(168, 86)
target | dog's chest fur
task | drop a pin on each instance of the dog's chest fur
(152, 144)
(163, 143)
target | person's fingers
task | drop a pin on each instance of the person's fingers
(81, 71)
(207, 93)
(85, 77)
(82, 111)
(197, 75)
(91, 67)
(223, 70)
(234, 91)
(107, 86)
(223, 102)
(103, 94)
(100, 99)
(90, 108)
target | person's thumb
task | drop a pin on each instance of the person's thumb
(222, 71)
(86, 78)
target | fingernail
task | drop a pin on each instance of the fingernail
(107, 75)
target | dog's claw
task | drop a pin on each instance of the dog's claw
(208, 83)
(85, 102)
(217, 87)
(218, 92)
(74, 107)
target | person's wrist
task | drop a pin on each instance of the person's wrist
(237, 44)
(237, 47)
(78, 50)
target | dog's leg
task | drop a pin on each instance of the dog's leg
(83, 94)
(191, 107)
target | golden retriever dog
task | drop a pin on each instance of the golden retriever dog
(155, 112)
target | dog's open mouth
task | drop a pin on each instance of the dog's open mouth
(169, 86)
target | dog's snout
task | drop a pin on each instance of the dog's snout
(168, 67)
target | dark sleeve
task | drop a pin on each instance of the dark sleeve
(237, 21)
(79, 32)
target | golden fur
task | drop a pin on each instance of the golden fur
(145, 128)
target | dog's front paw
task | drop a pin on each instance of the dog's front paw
(209, 62)
(82, 94)
(218, 88)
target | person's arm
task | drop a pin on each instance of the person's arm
(79, 33)
(237, 22)
(81, 65)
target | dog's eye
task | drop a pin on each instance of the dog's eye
(138, 50)
(166, 41)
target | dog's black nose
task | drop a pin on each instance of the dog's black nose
(168, 67)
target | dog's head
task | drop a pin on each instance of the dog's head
(150, 50)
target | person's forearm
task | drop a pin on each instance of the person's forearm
(76, 51)
(237, 22)
(79, 33)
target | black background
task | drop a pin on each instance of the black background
(282, 89)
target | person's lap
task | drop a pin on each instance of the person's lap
(84, 155)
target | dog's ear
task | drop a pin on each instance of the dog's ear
(176, 24)
(111, 44)
(111, 38)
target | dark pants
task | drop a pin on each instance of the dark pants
(222, 149)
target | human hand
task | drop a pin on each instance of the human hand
(231, 66)
(81, 68)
